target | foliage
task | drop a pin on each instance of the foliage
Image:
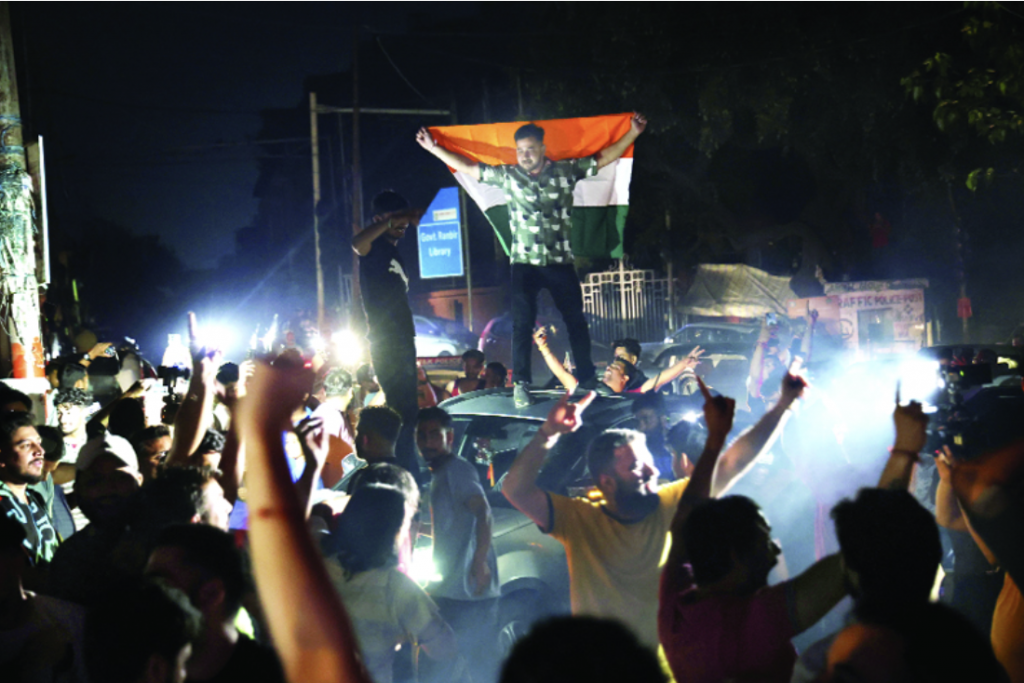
(977, 88)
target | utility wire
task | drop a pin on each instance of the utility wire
(399, 71)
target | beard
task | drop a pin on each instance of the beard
(636, 503)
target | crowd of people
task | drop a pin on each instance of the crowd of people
(260, 520)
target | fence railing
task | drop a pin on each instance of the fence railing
(627, 303)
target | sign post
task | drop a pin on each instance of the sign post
(439, 237)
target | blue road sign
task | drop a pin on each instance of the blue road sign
(439, 236)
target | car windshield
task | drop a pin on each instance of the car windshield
(713, 335)
(487, 440)
(425, 327)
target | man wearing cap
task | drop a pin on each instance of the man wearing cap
(106, 482)
(334, 392)
(21, 464)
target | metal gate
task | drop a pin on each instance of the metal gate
(627, 303)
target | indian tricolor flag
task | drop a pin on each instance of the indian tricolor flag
(600, 203)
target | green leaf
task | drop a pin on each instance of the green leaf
(972, 180)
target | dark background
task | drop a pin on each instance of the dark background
(179, 166)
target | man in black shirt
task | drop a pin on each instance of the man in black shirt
(205, 564)
(385, 286)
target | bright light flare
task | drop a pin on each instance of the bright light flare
(348, 346)
(422, 569)
(176, 353)
(692, 416)
(919, 380)
(217, 336)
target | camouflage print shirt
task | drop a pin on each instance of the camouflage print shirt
(540, 207)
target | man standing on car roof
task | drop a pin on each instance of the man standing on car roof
(468, 590)
(392, 336)
(614, 549)
(538, 192)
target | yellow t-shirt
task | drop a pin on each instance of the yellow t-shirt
(615, 567)
(1007, 625)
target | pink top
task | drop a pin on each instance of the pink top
(724, 637)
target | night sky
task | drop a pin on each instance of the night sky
(763, 116)
(148, 109)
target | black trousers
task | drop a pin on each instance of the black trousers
(394, 362)
(563, 284)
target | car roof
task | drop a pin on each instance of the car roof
(604, 410)
(742, 327)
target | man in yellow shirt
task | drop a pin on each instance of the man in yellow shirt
(615, 549)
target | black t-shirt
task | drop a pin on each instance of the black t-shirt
(250, 663)
(637, 381)
(385, 288)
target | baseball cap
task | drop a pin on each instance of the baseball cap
(116, 446)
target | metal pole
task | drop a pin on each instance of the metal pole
(519, 92)
(464, 227)
(357, 185)
(315, 142)
(671, 283)
(19, 287)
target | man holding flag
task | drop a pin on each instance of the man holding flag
(539, 196)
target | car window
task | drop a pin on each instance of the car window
(424, 327)
(499, 439)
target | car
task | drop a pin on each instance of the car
(496, 344)
(453, 330)
(714, 337)
(489, 432)
(724, 369)
(433, 341)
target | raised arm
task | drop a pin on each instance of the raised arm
(310, 628)
(315, 448)
(911, 435)
(756, 375)
(520, 487)
(195, 415)
(456, 161)
(554, 365)
(718, 415)
(615, 150)
(756, 440)
(665, 376)
(362, 243)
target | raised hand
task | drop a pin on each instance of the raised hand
(718, 412)
(911, 426)
(272, 396)
(566, 417)
(792, 388)
(425, 139)
(638, 124)
(540, 337)
(693, 358)
(314, 439)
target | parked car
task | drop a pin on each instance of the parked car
(463, 337)
(490, 432)
(714, 337)
(432, 340)
(496, 343)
